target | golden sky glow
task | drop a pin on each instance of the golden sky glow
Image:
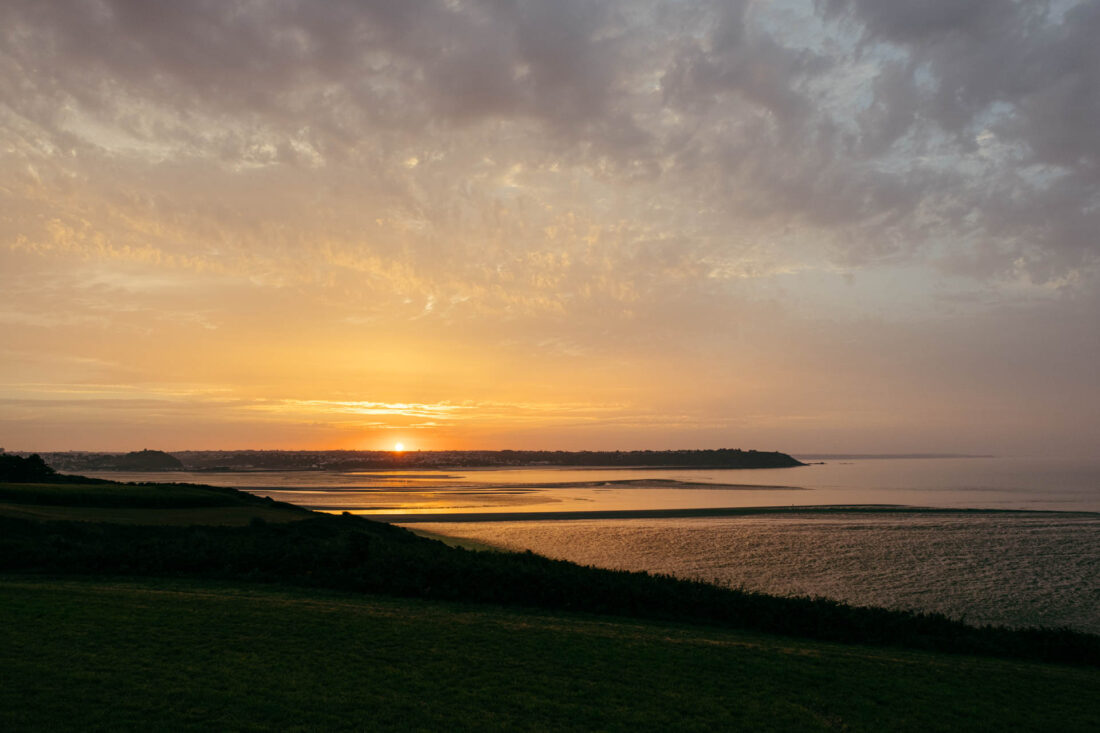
(805, 226)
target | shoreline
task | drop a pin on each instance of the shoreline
(829, 509)
(482, 488)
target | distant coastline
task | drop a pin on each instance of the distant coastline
(873, 456)
(253, 460)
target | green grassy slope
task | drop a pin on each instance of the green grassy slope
(136, 496)
(186, 655)
(149, 504)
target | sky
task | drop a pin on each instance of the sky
(831, 226)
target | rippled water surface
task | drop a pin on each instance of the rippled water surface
(1016, 569)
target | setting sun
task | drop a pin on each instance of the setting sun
(398, 447)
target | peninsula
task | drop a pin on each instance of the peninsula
(347, 460)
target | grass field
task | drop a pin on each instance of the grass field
(206, 516)
(181, 655)
(138, 496)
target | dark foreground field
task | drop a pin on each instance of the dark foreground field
(182, 607)
(103, 654)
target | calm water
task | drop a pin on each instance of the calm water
(1037, 565)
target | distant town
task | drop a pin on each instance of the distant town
(255, 460)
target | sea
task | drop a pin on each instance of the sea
(1011, 541)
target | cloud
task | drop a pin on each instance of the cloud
(880, 143)
(588, 181)
(1014, 87)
